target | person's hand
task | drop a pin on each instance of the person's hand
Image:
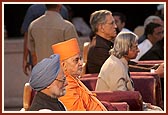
(160, 70)
(149, 106)
(26, 68)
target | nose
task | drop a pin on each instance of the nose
(81, 62)
(115, 26)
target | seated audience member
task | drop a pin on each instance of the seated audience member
(150, 19)
(77, 97)
(153, 33)
(155, 53)
(120, 20)
(114, 74)
(48, 79)
(104, 29)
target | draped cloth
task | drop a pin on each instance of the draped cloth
(79, 98)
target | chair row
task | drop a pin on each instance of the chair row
(148, 84)
(28, 95)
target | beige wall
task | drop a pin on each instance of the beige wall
(14, 77)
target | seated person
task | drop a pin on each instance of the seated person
(120, 20)
(114, 74)
(155, 53)
(153, 33)
(104, 29)
(48, 79)
(77, 97)
(149, 19)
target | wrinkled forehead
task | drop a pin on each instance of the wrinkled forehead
(109, 17)
(158, 29)
(76, 56)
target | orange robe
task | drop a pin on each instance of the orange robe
(79, 98)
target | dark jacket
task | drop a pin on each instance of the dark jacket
(155, 53)
(97, 54)
(43, 101)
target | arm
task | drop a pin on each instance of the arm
(29, 17)
(34, 58)
(31, 47)
(26, 66)
(160, 70)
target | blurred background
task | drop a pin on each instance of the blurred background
(135, 14)
(14, 78)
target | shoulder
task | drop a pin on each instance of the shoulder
(111, 63)
(68, 23)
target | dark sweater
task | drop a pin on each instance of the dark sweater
(43, 101)
(98, 54)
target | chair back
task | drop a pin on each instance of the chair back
(28, 95)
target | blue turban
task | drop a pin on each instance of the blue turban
(45, 72)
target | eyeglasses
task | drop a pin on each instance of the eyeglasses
(111, 23)
(61, 80)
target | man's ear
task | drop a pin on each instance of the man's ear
(101, 27)
(63, 65)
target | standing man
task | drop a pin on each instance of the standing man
(47, 30)
(33, 12)
(104, 27)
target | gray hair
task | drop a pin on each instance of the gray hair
(151, 19)
(123, 42)
(98, 17)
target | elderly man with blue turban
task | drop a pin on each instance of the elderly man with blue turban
(49, 81)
